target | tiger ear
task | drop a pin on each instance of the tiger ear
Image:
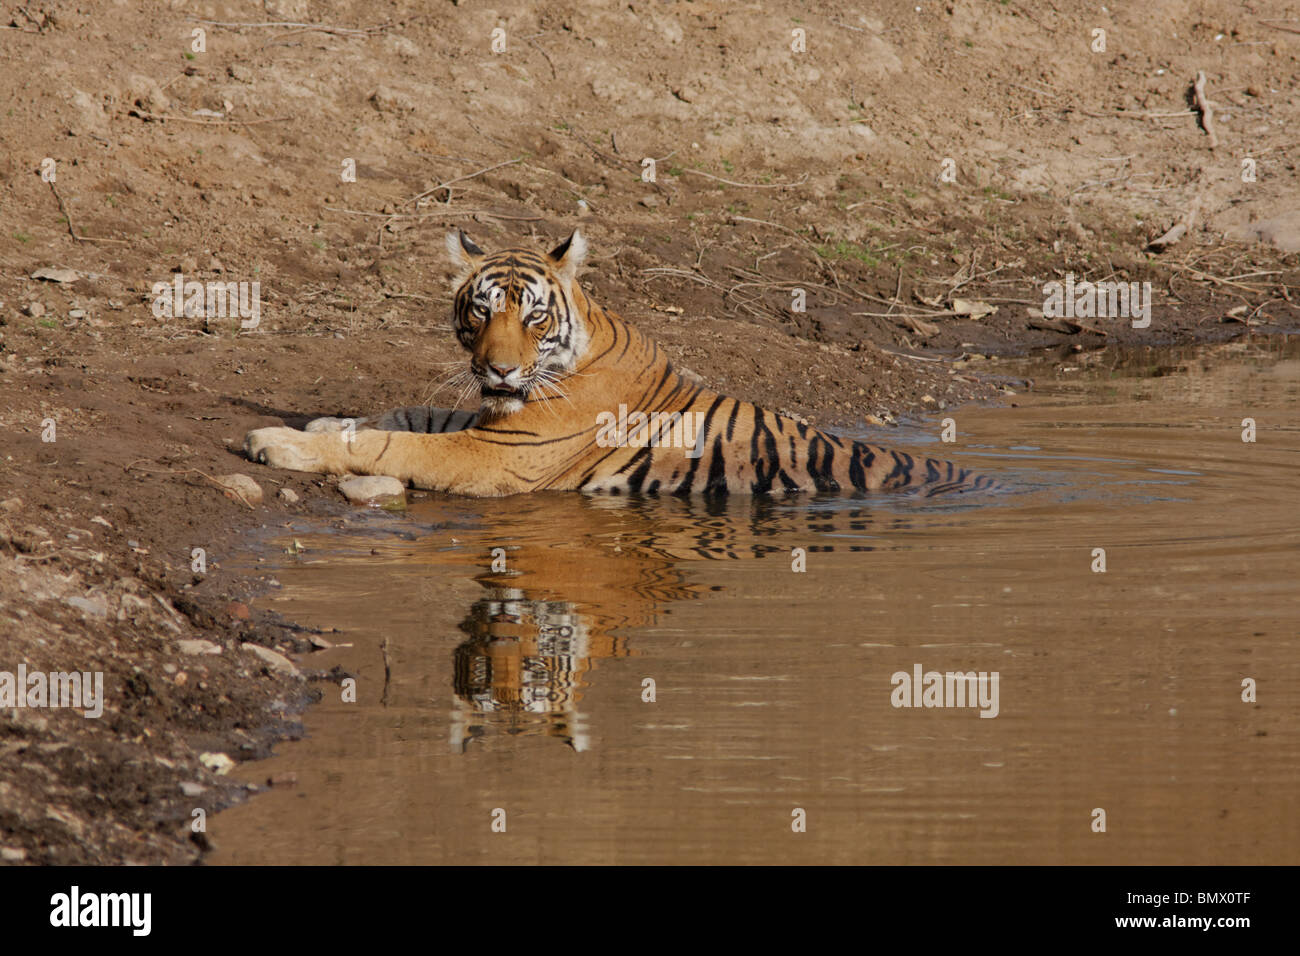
(465, 256)
(569, 254)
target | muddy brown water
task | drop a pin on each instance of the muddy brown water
(518, 696)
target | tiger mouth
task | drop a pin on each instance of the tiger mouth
(489, 391)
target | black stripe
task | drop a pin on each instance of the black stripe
(717, 483)
(823, 478)
(857, 474)
(637, 478)
(764, 463)
(902, 470)
(538, 444)
(702, 436)
(641, 453)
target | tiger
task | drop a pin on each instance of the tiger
(572, 397)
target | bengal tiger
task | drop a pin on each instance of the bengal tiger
(574, 398)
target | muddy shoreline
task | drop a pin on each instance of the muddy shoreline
(174, 643)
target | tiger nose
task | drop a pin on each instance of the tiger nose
(503, 370)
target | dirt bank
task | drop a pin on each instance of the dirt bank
(901, 170)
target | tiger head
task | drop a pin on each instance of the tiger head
(516, 313)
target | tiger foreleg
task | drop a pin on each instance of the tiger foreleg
(453, 462)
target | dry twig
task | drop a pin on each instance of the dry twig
(71, 229)
(1205, 107)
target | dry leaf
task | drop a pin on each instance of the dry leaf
(973, 308)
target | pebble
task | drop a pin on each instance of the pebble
(52, 274)
(273, 659)
(34, 309)
(378, 490)
(220, 764)
(388, 100)
(196, 646)
(97, 606)
(288, 496)
(241, 485)
(191, 789)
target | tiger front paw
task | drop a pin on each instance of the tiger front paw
(285, 448)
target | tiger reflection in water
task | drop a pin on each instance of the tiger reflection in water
(525, 663)
(543, 626)
(546, 623)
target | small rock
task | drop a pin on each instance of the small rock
(34, 309)
(12, 854)
(388, 100)
(11, 504)
(219, 764)
(650, 202)
(196, 646)
(237, 610)
(51, 274)
(287, 495)
(378, 490)
(191, 789)
(77, 314)
(90, 110)
(273, 659)
(403, 47)
(286, 779)
(147, 93)
(97, 606)
(237, 71)
(241, 486)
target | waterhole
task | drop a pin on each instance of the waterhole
(567, 679)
